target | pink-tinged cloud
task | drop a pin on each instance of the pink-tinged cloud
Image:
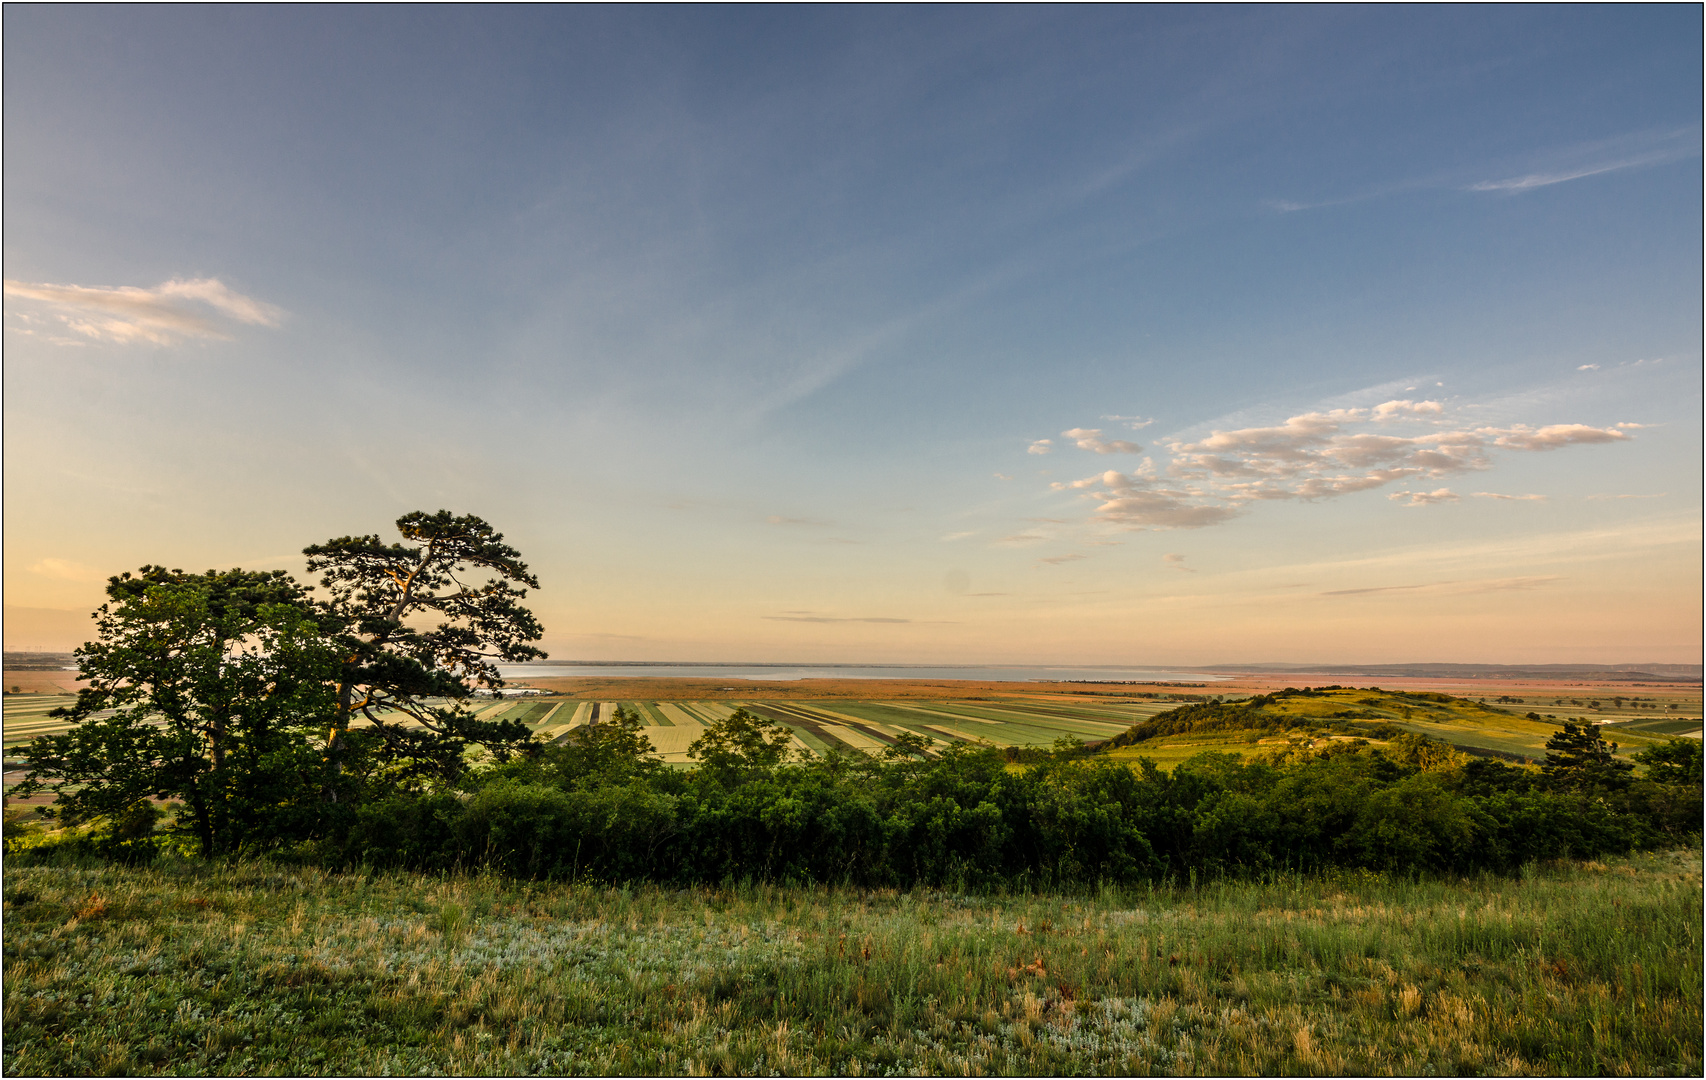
(1091, 439)
(1056, 560)
(1554, 436)
(1423, 498)
(1160, 510)
(1392, 410)
(1312, 456)
(197, 308)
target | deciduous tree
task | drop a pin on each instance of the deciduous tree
(741, 743)
(203, 688)
(1675, 762)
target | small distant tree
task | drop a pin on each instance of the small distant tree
(742, 742)
(909, 745)
(1578, 759)
(1424, 754)
(419, 632)
(613, 751)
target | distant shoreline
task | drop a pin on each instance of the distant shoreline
(1655, 673)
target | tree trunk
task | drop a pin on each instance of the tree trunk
(203, 823)
(334, 738)
(219, 812)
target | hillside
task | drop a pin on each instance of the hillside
(1511, 728)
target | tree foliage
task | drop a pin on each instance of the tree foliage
(418, 632)
(1579, 759)
(1675, 762)
(963, 818)
(202, 688)
(236, 692)
(740, 744)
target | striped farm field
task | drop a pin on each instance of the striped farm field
(1090, 725)
(676, 716)
(872, 726)
(26, 716)
(845, 726)
(671, 743)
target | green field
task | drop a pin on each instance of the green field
(225, 969)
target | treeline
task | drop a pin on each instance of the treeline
(603, 808)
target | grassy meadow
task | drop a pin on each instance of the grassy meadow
(194, 968)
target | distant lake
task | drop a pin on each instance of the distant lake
(792, 672)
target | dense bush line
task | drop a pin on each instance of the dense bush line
(603, 808)
(966, 817)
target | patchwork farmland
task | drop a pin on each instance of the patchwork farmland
(1033, 718)
(848, 726)
(672, 726)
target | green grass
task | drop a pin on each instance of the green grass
(1579, 969)
(1167, 753)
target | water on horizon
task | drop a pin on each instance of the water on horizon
(791, 673)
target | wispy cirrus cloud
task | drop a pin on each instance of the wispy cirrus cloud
(1531, 181)
(814, 617)
(1317, 455)
(1556, 165)
(832, 619)
(125, 314)
(1375, 589)
(1633, 151)
(1135, 423)
(1509, 584)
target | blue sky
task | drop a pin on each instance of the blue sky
(746, 324)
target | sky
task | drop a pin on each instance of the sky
(1025, 334)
